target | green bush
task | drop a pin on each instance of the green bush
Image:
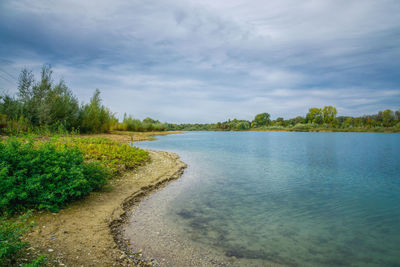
(43, 177)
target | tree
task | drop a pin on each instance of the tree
(94, 117)
(329, 115)
(63, 107)
(280, 121)
(149, 120)
(262, 119)
(25, 83)
(388, 118)
(348, 122)
(10, 107)
(315, 115)
(40, 92)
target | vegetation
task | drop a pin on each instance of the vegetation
(112, 155)
(147, 125)
(94, 117)
(317, 119)
(261, 120)
(48, 174)
(42, 173)
(11, 244)
(40, 176)
(47, 107)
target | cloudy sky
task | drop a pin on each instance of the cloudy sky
(210, 60)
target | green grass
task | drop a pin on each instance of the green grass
(116, 157)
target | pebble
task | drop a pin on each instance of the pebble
(50, 250)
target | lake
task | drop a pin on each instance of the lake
(275, 198)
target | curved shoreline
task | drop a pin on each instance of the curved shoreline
(88, 232)
(131, 202)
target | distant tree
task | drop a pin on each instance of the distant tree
(280, 121)
(242, 125)
(299, 119)
(329, 115)
(149, 120)
(388, 118)
(348, 122)
(94, 117)
(369, 122)
(315, 115)
(261, 119)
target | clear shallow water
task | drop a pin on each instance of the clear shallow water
(307, 199)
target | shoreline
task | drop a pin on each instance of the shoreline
(116, 226)
(88, 231)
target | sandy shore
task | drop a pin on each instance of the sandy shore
(86, 233)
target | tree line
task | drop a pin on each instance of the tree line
(316, 119)
(43, 105)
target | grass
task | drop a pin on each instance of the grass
(116, 157)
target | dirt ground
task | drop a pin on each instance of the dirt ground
(83, 234)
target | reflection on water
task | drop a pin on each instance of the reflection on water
(321, 199)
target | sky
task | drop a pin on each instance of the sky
(208, 61)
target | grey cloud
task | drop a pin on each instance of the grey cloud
(211, 60)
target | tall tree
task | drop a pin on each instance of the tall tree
(63, 106)
(388, 118)
(25, 83)
(261, 119)
(315, 115)
(96, 118)
(329, 115)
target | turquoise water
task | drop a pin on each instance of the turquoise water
(297, 199)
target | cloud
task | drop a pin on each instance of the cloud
(184, 61)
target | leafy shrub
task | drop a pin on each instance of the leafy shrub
(43, 177)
